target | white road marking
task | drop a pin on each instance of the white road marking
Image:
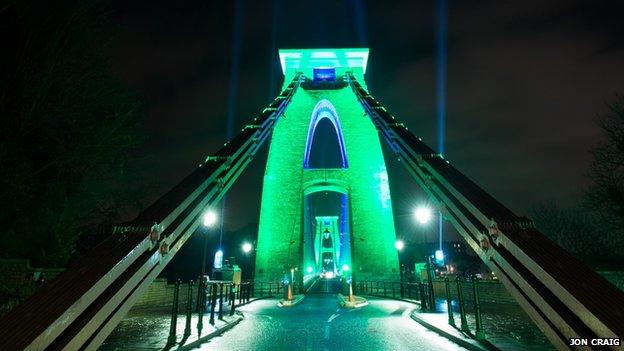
(332, 317)
(327, 332)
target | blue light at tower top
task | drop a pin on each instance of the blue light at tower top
(324, 74)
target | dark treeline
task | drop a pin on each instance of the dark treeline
(68, 129)
(594, 230)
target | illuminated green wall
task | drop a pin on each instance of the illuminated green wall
(365, 179)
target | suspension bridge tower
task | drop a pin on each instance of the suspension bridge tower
(364, 244)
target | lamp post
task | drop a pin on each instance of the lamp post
(249, 249)
(399, 245)
(423, 215)
(209, 219)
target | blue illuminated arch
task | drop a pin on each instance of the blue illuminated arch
(324, 109)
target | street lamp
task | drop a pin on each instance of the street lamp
(209, 219)
(423, 214)
(399, 245)
(247, 247)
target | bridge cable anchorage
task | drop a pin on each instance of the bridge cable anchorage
(540, 275)
(121, 268)
(155, 234)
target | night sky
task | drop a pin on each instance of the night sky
(526, 81)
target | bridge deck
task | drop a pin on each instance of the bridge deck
(318, 323)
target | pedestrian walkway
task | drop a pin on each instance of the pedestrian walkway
(438, 322)
(506, 327)
(151, 331)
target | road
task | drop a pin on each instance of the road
(318, 323)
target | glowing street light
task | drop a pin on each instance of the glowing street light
(399, 245)
(210, 218)
(345, 267)
(309, 269)
(247, 247)
(423, 214)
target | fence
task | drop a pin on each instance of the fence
(426, 292)
(214, 299)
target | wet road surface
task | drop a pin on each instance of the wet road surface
(319, 323)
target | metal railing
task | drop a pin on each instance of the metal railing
(270, 289)
(418, 291)
(423, 292)
(213, 298)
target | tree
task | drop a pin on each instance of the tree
(606, 171)
(594, 230)
(68, 128)
(573, 229)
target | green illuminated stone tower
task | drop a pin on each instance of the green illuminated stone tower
(367, 235)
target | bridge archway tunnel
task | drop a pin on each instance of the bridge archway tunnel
(326, 234)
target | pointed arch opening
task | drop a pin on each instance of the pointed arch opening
(328, 143)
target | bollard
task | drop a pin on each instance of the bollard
(432, 302)
(233, 290)
(449, 302)
(189, 309)
(479, 333)
(247, 292)
(462, 307)
(174, 315)
(199, 289)
(421, 296)
(430, 292)
(201, 302)
(213, 302)
(220, 301)
(240, 294)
